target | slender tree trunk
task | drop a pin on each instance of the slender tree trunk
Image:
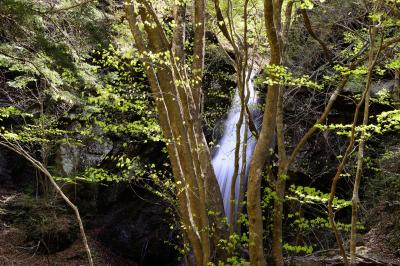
(360, 155)
(232, 205)
(243, 70)
(198, 51)
(262, 151)
(355, 199)
(280, 185)
(331, 215)
(371, 63)
(397, 87)
(280, 182)
(277, 252)
(242, 182)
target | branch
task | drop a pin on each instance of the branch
(332, 100)
(371, 64)
(222, 26)
(310, 31)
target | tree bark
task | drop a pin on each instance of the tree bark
(360, 155)
(198, 51)
(397, 87)
(261, 153)
(180, 122)
(280, 182)
(331, 216)
(280, 185)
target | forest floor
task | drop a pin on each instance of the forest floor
(15, 250)
(382, 239)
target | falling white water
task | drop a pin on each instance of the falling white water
(224, 159)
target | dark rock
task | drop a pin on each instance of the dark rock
(138, 229)
(14, 169)
(5, 169)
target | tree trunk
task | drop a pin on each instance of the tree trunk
(263, 147)
(280, 182)
(198, 190)
(280, 185)
(198, 52)
(371, 63)
(360, 155)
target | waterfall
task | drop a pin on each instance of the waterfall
(224, 159)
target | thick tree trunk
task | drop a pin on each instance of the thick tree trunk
(198, 190)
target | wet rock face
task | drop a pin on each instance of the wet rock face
(139, 230)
